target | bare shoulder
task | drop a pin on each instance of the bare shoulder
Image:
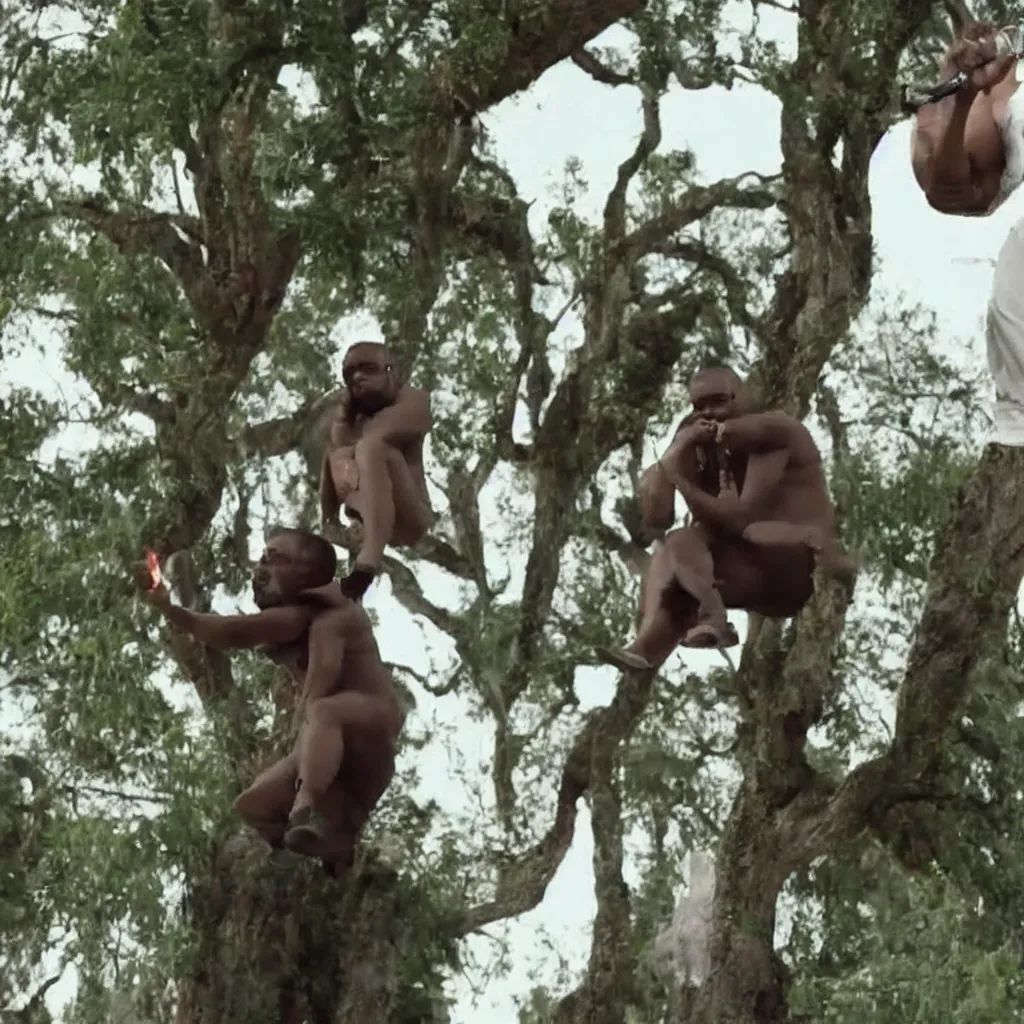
(347, 617)
(408, 395)
(802, 445)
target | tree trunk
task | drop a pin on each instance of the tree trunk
(282, 943)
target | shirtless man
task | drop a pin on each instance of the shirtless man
(373, 461)
(968, 157)
(316, 800)
(752, 548)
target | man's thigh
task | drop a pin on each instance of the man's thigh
(775, 581)
(413, 514)
(367, 768)
(272, 793)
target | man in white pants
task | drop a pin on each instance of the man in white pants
(968, 156)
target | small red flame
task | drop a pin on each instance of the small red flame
(156, 577)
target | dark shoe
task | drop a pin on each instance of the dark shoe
(305, 833)
(357, 582)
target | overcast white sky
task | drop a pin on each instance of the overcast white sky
(567, 114)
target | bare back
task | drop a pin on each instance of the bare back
(362, 670)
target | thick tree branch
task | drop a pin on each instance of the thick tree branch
(740, 193)
(587, 61)
(737, 290)
(650, 139)
(143, 231)
(607, 987)
(287, 433)
(536, 40)
(975, 577)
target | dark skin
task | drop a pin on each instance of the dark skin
(753, 546)
(957, 149)
(316, 800)
(373, 461)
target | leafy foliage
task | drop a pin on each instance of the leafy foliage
(200, 201)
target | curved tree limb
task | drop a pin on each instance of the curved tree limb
(974, 581)
(536, 40)
(522, 884)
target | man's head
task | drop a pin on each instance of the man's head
(718, 394)
(292, 561)
(369, 375)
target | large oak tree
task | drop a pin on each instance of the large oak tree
(194, 194)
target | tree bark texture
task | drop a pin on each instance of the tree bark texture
(279, 943)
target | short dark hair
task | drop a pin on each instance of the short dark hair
(376, 346)
(316, 551)
(713, 367)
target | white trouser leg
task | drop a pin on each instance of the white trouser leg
(1005, 340)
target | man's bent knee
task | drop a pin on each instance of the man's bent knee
(322, 713)
(374, 449)
(252, 807)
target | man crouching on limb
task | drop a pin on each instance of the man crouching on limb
(316, 800)
(751, 547)
(373, 461)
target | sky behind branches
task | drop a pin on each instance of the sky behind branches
(943, 263)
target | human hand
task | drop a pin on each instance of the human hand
(699, 432)
(975, 54)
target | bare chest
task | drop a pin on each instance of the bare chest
(294, 657)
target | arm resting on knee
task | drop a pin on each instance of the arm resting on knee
(406, 421)
(760, 432)
(731, 515)
(266, 629)
(327, 638)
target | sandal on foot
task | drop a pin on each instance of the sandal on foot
(707, 637)
(625, 660)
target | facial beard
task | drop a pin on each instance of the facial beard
(265, 595)
(369, 403)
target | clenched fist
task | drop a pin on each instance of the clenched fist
(975, 54)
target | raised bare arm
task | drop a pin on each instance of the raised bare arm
(407, 420)
(265, 629)
(655, 490)
(951, 179)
